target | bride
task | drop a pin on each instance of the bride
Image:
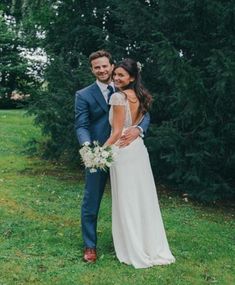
(137, 228)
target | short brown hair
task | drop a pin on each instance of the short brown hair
(100, 53)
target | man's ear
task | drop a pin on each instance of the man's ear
(92, 70)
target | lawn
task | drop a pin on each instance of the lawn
(40, 235)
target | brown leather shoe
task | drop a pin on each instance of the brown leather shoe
(90, 255)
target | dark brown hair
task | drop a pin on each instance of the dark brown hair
(100, 53)
(142, 93)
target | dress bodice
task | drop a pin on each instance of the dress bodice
(120, 99)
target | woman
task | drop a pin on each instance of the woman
(138, 232)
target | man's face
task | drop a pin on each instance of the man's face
(102, 69)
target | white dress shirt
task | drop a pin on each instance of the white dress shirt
(103, 88)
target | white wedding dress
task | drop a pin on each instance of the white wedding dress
(137, 228)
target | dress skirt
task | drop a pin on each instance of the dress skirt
(137, 227)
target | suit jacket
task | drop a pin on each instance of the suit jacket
(91, 116)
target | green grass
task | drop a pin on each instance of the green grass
(40, 235)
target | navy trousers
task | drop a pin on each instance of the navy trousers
(94, 189)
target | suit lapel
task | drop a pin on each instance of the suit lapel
(99, 97)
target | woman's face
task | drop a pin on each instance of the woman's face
(121, 78)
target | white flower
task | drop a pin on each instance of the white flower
(102, 161)
(105, 154)
(96, 160)
(139, 66)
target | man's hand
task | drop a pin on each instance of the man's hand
(129, 136)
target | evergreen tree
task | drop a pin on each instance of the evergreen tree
(186, 49)
(13, 67)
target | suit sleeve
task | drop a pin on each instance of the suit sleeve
(82, 120)
(144, 124)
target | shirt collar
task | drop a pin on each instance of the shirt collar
(103, 86)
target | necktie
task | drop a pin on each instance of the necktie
(111, 91)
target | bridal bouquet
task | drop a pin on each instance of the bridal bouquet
(97, 157)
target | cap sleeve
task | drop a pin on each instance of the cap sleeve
(117, 99)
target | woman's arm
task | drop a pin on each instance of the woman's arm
(117, 124)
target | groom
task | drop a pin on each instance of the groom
(91, 124)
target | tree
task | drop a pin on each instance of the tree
(187, 52)
(13, 67)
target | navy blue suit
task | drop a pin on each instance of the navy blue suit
(91, 124)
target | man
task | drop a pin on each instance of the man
(91, 124)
